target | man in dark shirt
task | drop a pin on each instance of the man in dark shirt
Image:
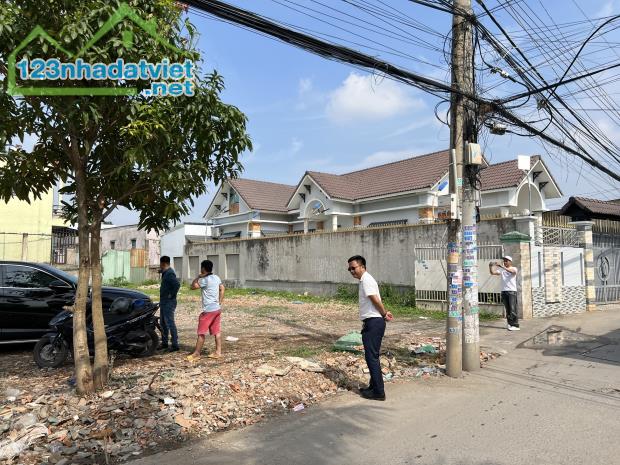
(168, 304)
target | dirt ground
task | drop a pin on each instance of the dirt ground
(164, 400)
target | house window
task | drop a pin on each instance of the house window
(112, 245)
(233, 203)
(133, 243)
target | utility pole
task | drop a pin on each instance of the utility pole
(460, 133)
(467, 137)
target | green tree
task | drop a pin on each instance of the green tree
(149, 154)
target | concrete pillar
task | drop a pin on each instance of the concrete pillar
(334, 222)
(584, 228)
(306, 221)
(526, 225)
(517, 245)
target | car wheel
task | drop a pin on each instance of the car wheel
(48, 354)
(151, 344)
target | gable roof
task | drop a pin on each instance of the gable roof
(582, 207)
(507, 174)
(262, 195)
(503, 174)
(400, 176)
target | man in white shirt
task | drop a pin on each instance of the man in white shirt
(212, 291)
(508, 274)
(373, 315)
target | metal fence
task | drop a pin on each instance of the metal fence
(566, 237)
(486, 251)
(431, 272)
(58, 248)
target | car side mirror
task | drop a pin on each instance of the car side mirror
(58, 286)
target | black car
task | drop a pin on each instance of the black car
(31, 294)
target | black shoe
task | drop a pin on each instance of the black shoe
(371, 395)
(163, 347)
(367, 389)
(172, 349)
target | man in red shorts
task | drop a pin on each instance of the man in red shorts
(209, 321)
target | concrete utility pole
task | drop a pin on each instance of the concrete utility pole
(460, 132)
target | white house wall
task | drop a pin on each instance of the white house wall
(389, 203)
(495, 199)
(409, 214)
(173, 243)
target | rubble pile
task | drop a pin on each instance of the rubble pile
(158, 402)
(169, 400)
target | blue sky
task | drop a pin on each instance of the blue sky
(309, 113)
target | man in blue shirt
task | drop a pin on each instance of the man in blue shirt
(168, 304)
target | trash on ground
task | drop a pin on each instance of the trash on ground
(349, 342)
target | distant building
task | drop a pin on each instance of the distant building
(410, 191)
(129, 237)
(174, 241)
(35, 231)
(584, 209)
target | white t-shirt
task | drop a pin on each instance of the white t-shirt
(509, 280)
(368, 286)
(210, 286)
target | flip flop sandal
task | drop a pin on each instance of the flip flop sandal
(192, 358)
(214, 356)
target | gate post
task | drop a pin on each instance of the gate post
(517, 245)
(584, 228)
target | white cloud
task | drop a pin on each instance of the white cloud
(606, 10)
(385, 156)
(413, 126)
(296, 145)
(366, 98)
(305, 85)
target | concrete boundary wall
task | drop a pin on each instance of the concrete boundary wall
(317, 262)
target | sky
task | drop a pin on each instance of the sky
(309, 113)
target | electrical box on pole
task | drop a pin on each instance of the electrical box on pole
(473, 154)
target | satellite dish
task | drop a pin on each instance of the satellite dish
(318, 208)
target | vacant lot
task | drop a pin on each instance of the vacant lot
(163, 400)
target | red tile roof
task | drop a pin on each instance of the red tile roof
(392, 178)
(262, 195)
(504, 174)
(606, 208)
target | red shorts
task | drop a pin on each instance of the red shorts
(209, 322)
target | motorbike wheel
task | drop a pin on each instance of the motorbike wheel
(50, 355)
(151, 345)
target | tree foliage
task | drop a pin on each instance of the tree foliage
(149, 154)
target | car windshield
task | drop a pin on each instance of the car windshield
(62, 274)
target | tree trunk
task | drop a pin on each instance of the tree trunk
(81, 356)
(101, 343)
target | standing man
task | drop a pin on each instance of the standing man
(209, 320)
(508, 274)
(373, 316)
(168, 304)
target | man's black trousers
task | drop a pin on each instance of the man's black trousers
(372, 334)
(510, 303)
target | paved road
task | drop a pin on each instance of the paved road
(544, 402)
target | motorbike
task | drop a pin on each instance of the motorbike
(130, 327)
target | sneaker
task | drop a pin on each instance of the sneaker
(367, 389)
(371, 395)
(172, 349)
(514, 328)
